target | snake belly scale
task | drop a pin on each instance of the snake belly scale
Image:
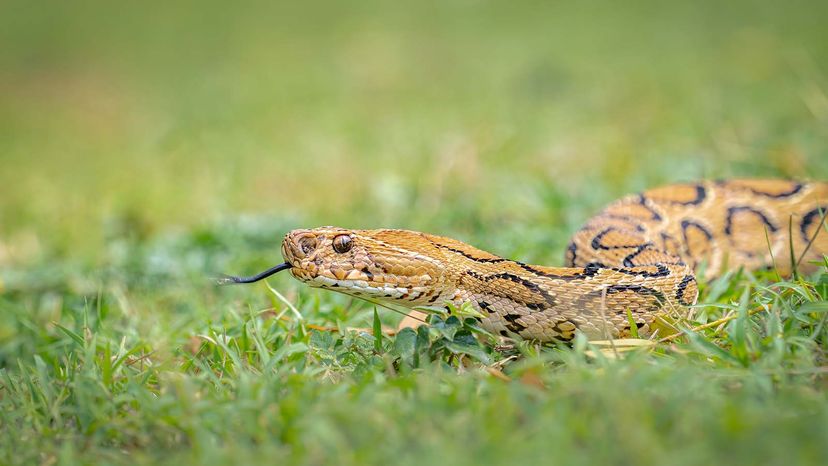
(636, 260)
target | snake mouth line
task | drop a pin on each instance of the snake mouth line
(232, 280)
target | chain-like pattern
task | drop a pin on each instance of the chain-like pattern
(631, 264)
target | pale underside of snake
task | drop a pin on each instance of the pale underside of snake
(632, 264)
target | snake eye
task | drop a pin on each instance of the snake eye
(342, 244)
(308, 244)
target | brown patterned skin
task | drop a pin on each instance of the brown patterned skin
(635, 260)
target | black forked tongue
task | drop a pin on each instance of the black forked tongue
(231, 280)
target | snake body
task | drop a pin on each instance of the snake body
(636, 260)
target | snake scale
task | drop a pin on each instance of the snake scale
(638, 259)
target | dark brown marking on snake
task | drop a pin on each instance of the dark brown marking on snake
(701, 194)
(513, 324)
(673, 244)
(367, 273)
(628, 261)
(682, 288)
(485, 307)
(534, 288)
(797, 187)
(634, 222)
(495, 260)
(586, 299)
(687, 224)
(593, 268)
(643, 290)
(642, 199)
(596, 241)
(561, 334)
(590, 270)
(572, 252)
(732, 211)
(434, 298)
(661, 271)
(808, 220)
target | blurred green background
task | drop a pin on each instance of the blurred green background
(451, 115)
(146, 146)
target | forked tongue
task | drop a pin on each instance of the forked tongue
(231, 280)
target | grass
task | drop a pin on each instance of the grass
(146, 150)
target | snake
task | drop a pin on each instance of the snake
(631, 267)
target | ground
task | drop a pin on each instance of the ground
(147, 149)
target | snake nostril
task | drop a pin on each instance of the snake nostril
(298, 244)
(307, 244)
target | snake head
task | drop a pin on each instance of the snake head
(379, 264)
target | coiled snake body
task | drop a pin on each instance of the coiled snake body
(633, 262)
